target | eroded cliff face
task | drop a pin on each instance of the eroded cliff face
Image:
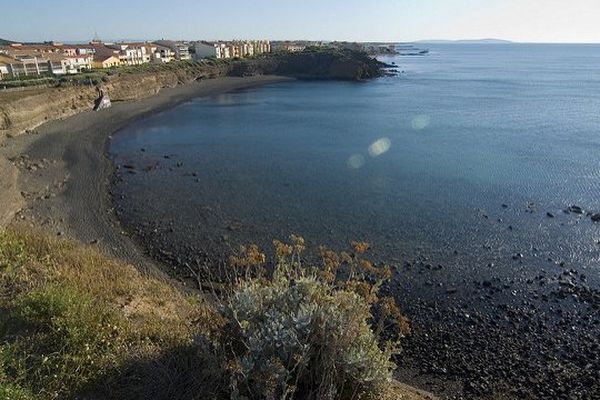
(26, 110)
(11, 200)
(140, 85)
(22, 111)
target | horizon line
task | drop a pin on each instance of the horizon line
(429, 40)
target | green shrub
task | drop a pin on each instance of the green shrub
(303, 332)
(11, 392)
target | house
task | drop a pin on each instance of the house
(162, 54)
(78, 63)
(223, 50)
(235, 49)
(262, 46)
(105, 60)
(295, 49)
(131, 53)
(180, 49)
(32, 64)
(4, 65)
(291, 47)
(149, 50)
(28, 64)
(57, 64)
(205, 50)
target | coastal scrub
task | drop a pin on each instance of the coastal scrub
(305, 331)
(77, 324)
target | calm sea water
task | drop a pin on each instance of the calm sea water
(460, 158)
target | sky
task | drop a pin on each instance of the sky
(353, 20)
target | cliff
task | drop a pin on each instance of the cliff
(21, 111)
(314, 64)
(24, 110)
(10, 198)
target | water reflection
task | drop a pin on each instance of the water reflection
(421, 122)
(356, 161)
(379, 147)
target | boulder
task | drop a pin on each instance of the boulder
(102, 103)
(575, 210)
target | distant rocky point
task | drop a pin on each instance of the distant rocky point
(314, 63)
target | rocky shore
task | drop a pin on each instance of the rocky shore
(525, 326)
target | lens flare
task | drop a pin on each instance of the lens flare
(421, 122)
(355, 161)
(379, 147)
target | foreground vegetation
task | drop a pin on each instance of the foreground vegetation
(70, 315)
(75, 324)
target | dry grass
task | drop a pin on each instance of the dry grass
(70, 315)
(152, 307)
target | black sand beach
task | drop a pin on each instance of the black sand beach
(65, 173)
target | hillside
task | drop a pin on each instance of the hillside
(4, 42)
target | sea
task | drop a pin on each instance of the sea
(474, 172)
(475, 149)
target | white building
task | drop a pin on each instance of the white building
(78, 63)
(235, 49)
(132, 53)
(36, 64)
(180, 49)
(4, 66)
(205, 50)
(162, 54)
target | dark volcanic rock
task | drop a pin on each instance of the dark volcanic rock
(575, 210)
(335, 64)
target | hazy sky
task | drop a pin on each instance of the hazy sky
(384, 20)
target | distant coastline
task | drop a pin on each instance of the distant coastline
(466, 41)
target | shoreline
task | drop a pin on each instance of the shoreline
(462, 345)
(472, 305)
(64, 172)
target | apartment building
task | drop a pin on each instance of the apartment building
(162, 54)
(234, 49)
(180, 49)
